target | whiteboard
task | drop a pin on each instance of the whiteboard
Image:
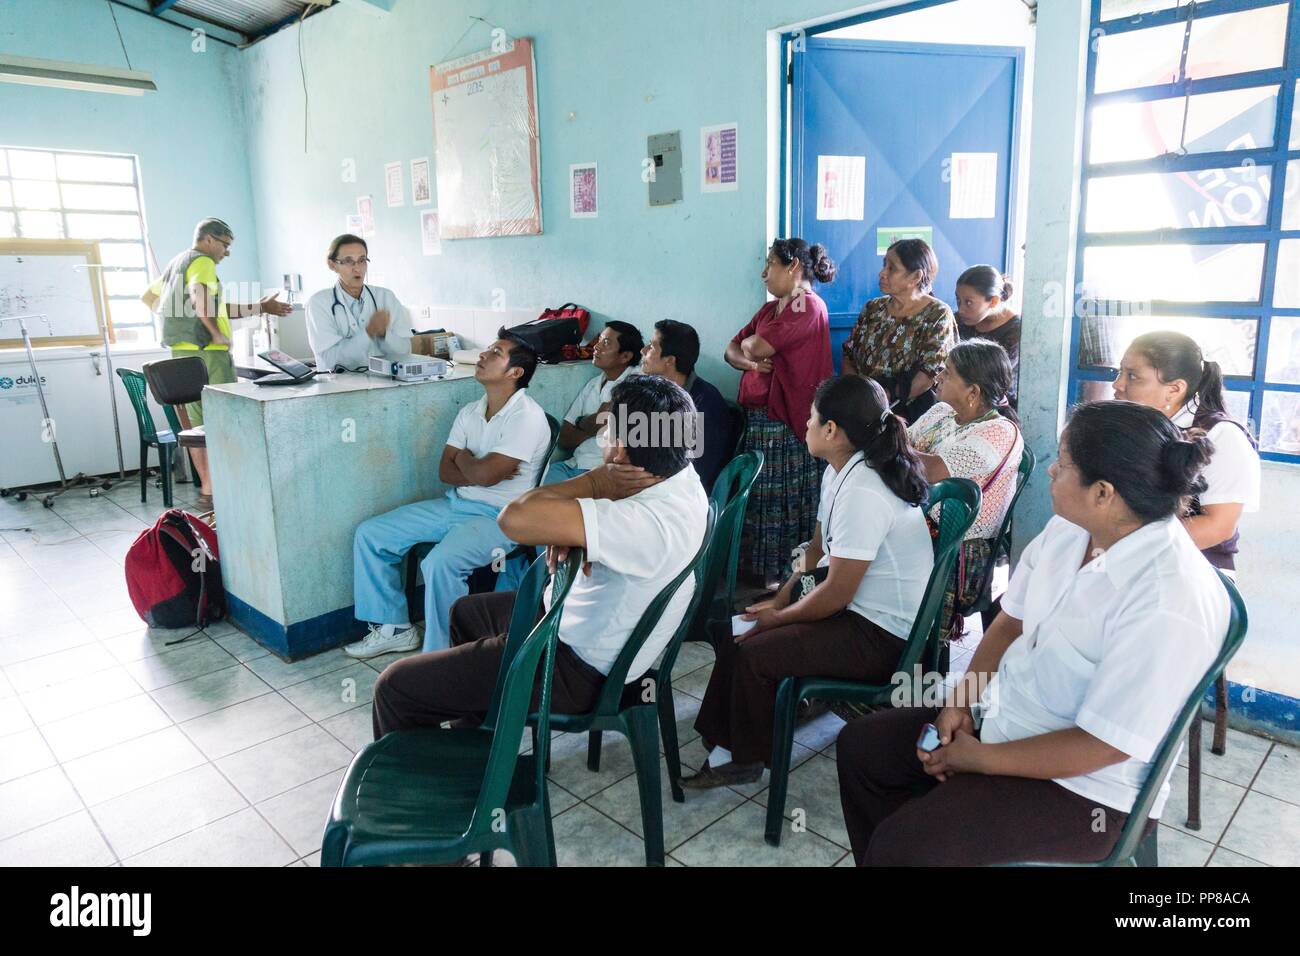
(50, 277)
(485, 134)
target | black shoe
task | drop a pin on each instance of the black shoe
(730, 774)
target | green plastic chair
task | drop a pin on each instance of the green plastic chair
(1002, 541)
(436, 795)
(1131, 849)
(959, 501)
(711, 613)
(739, 427)
(625, 709)
(420, 551)
(137, 391)
(731, 497)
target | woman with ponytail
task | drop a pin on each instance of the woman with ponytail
(1111, 618)
(848, 619)
(784, 351)
(1166, 371)
(971, 433)
(984, 311)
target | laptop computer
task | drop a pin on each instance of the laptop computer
(293, 372)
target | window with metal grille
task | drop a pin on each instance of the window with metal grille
(1190, 213)
(60, 194)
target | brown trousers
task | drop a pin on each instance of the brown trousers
(738, 707)
(457, 683)
(897, 815)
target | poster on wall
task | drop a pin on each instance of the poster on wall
(719, 169)
(841, 187)
(583, 196)
(420, 194)
(886, 236)
(485, 131)
(973, 180)
(430, 236)
(393, 184)
(355, 225)
(366, 210)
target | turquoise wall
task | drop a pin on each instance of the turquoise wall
(624, 69)
(190, 135)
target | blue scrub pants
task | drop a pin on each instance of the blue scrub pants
(468, 537)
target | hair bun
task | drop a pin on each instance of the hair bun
(1182, 461)
(1008, 288)
(824, 268)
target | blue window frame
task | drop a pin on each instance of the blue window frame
(1190, 208)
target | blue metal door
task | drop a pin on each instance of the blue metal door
(907, 108)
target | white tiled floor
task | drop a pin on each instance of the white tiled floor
(118, 747)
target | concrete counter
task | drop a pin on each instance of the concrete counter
(296, 468)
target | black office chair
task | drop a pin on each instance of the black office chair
(176, 382)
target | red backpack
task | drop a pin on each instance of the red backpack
(173, 573)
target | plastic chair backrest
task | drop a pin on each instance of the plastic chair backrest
(550, 449)
(611, 694)
(1002, 543)
(1131, 835)
(739, 427)
(959, 505)
(135, 386)
(176, 381)
(512, 696)
(1002, 540)
(731, 496)
(703, 593)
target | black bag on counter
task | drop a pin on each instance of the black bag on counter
(548, 337)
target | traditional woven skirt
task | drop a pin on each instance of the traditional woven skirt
(782, 509)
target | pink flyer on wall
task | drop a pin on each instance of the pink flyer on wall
(584, 200)
(719, 161)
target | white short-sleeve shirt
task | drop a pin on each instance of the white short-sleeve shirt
(1232, 476)
(594, 394)
(868, 522)
(1113, 647)
(636, 546)
(519, 430)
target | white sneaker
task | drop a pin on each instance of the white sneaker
(385, 639)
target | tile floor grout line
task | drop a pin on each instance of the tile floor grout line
(287, 842)
(1250, 788)
(64, 773)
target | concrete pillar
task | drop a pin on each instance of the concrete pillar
(1055, 163)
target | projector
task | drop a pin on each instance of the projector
(413, 368)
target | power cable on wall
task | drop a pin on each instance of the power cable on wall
(113, 13)
(302, 69)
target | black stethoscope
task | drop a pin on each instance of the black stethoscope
(364, 289)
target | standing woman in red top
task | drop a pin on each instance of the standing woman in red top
(784, 353)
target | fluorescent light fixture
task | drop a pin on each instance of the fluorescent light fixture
(75, 76)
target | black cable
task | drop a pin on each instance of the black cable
(113, 13)
(302, 69)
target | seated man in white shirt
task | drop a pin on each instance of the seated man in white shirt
(496, 447)
(351, 321)
(640, 517)
(617, 353)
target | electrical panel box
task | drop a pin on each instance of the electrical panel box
(665, 152)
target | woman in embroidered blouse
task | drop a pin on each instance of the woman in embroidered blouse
(902, 337)
(784, 352)
(972, 432)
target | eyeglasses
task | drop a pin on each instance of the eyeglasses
(350, 262)
(224, 242)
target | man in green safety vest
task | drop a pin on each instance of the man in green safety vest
(196, 321)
